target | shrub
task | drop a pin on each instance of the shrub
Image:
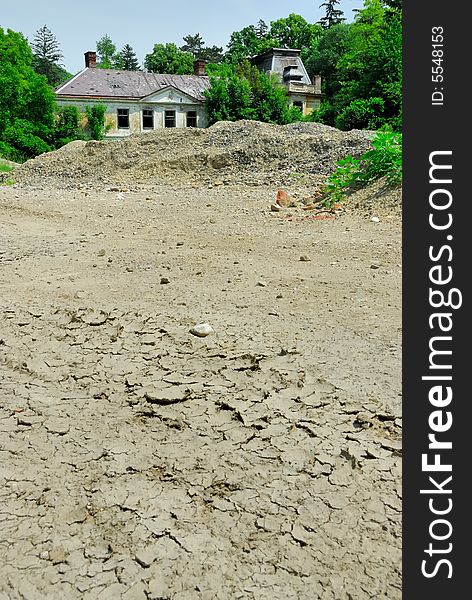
(384, 160)
(67, 126)
(361, 114)
(96, 120)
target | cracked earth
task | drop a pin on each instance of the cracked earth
(139, 462)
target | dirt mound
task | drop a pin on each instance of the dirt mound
(247, 152)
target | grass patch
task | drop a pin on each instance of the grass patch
(5, 168)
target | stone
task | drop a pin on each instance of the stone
(283, 199)
(305, 258)
(164, 281)
(275, 208)
(58, 555)
(375, 220)
(202, 330)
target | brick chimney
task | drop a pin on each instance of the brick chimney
(90, 59)
(199, 67)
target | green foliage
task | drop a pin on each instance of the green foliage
(196, 46)
(247, 42)
(167, 58)
(46, 57)
(361, 68)
(26, 101)
(5, 168)
(67, 126)
(333, 16)
(243, 92)
(290, 32)
(96, 120)
(126, 59)
(361, 114)
(106, 53)
(384, 160)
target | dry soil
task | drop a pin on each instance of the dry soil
(140, 462)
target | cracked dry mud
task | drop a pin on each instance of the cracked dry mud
(141, 462)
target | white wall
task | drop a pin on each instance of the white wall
(158, 104)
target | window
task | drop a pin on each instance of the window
(123, 118)
(148, 119)
(298, 104)
(169, 118)
(192, 118)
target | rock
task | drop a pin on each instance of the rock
(164, 281)
(129, 269)
(58, 555)
(305, 258)
(101, 252)
(283, 199)
(275, 208)
(375, 220)
(202, 330)
(262, 284)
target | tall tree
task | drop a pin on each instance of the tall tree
(333, 16)
(169, 59)
(26, 101)
(294, 32)
(106, 52)
(261, 29)
(196, 46)
(245, 43)
(126, 59)
(193, 44)
(47, 56)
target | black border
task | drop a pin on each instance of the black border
(426, 129)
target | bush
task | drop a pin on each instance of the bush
(384, 160)
(67, 126)
(96, 120)
(361, 114)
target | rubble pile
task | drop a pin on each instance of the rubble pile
(246, 152)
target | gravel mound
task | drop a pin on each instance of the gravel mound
(246, 152)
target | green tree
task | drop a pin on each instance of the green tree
(261, 29)
(361, 68)
(243, 92)
(106, 53)
(193, 44)
(126, 59)
(26, 101)
(294, 32)
(47, 55)
(245, 43)
(169, 59)
(333, 16)
(196, 46)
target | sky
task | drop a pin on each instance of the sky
(78, 25)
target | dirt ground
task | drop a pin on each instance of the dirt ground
(139, 462)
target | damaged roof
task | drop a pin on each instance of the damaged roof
(276, 60)
(113, 83)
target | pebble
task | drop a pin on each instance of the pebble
(101, 252)
(164, 281)
(375, 220)
(202, 330)
(305, 258)
(262, 284)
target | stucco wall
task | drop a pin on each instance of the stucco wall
(135, 114)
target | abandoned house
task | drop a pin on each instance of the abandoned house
(287, 65)
(136, 101)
